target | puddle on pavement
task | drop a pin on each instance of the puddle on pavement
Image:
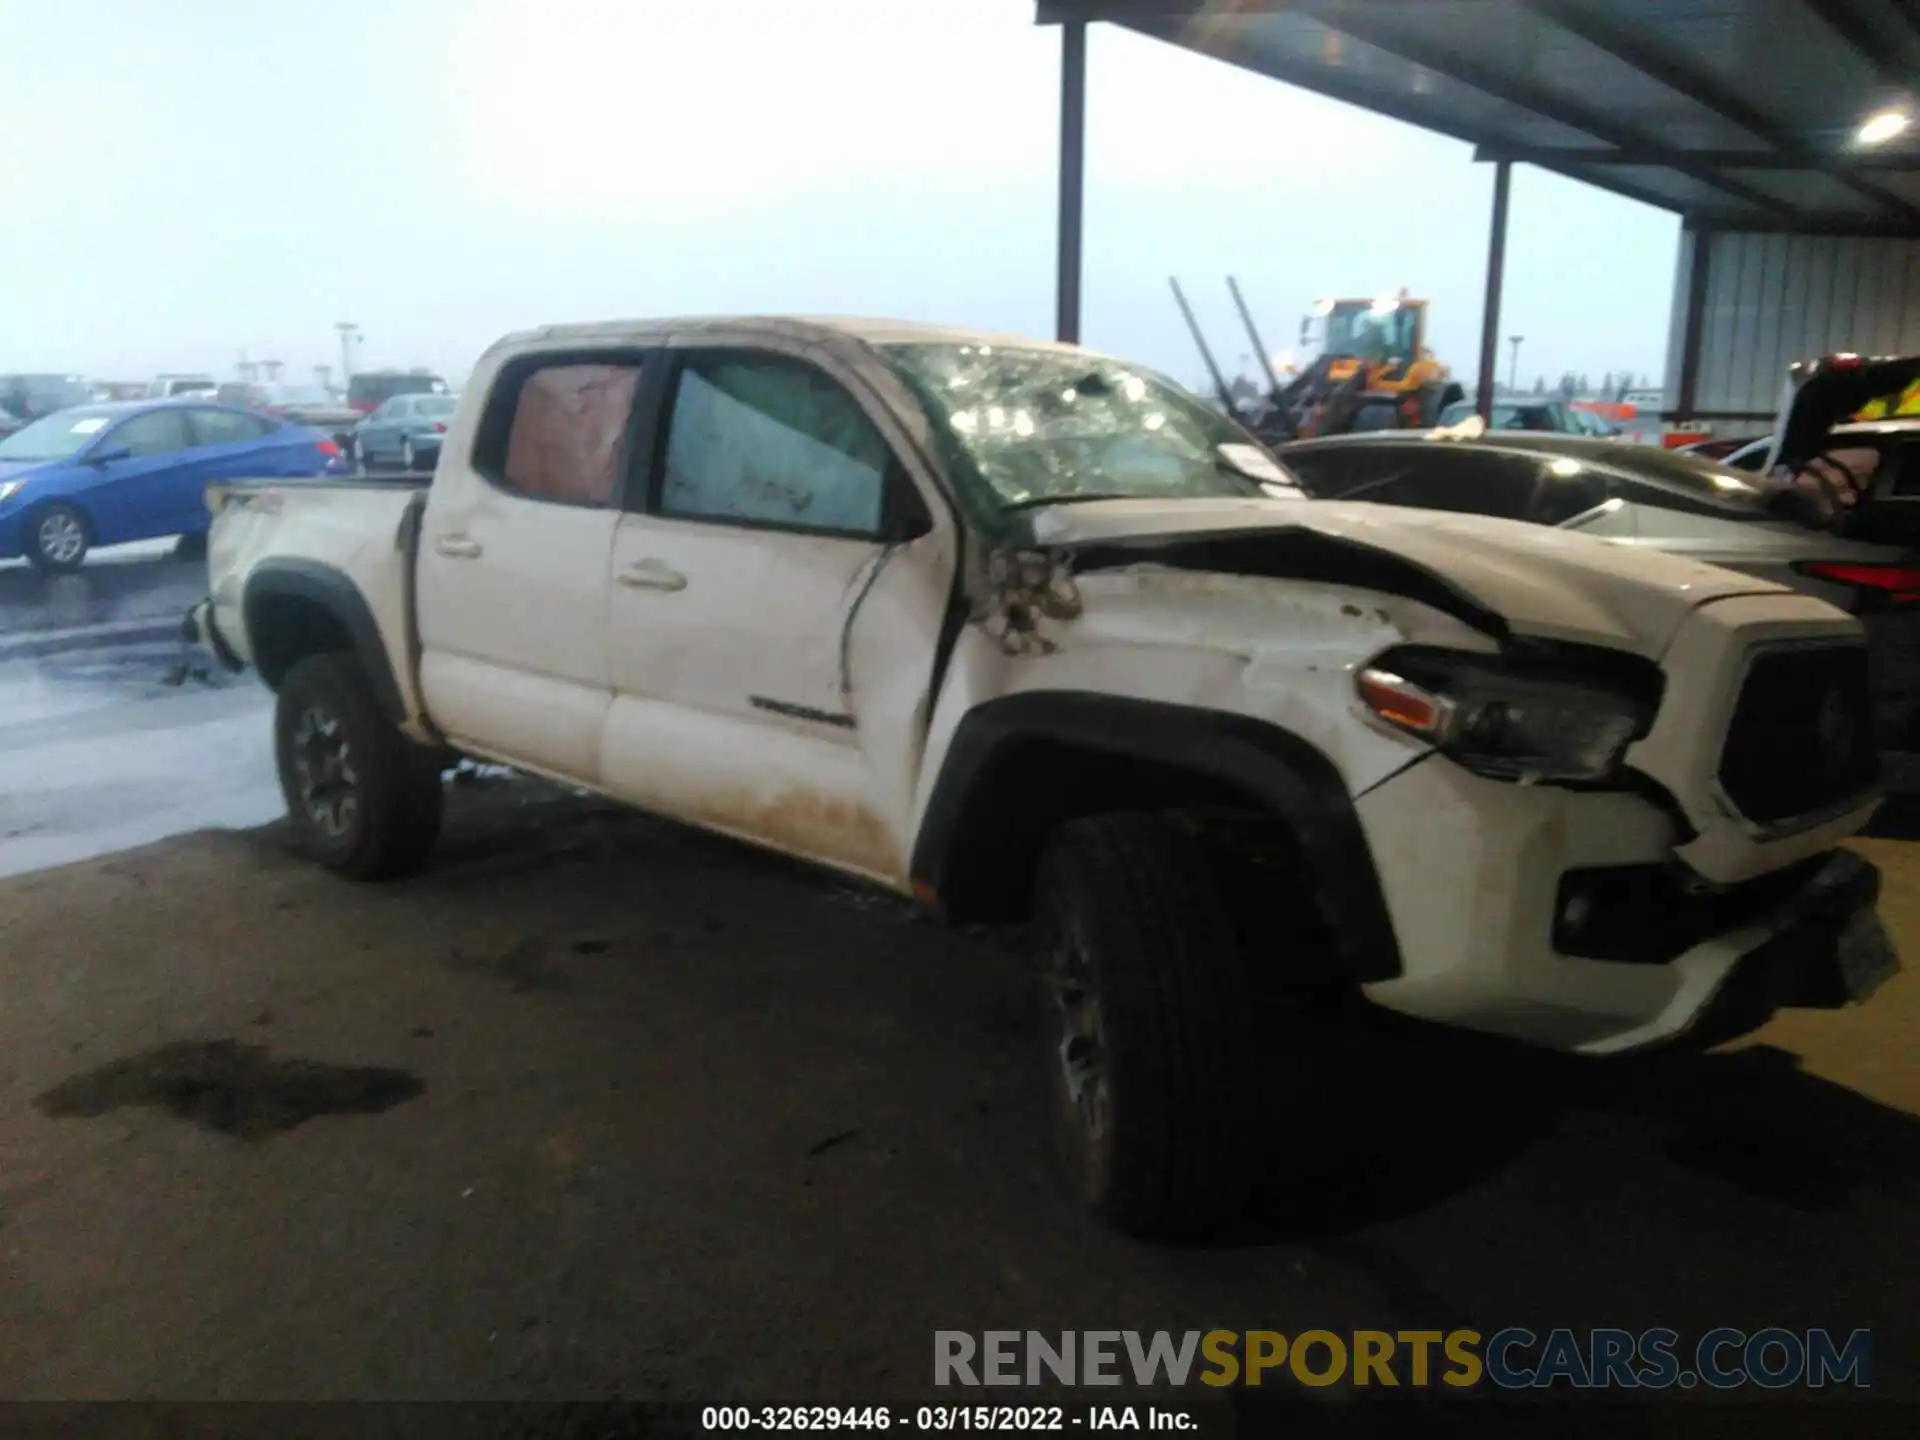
(236, 1089)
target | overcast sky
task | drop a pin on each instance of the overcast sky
(181, 182)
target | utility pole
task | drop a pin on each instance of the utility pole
(349, 339)
(1513, 370)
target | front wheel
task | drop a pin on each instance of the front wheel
(1152, 1039)
(364, 800)
(58, 539)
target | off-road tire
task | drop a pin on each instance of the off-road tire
(1135, 897)
(399, 798)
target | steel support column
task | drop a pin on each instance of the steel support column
(1699, 272)
(1073, 155)
(1496, 273)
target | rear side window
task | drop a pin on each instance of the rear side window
(557, 431)
(227, 427)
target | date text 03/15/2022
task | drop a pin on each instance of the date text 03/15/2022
(939, 1418)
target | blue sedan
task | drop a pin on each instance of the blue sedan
(106, 474)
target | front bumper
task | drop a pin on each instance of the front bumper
(1474, 875)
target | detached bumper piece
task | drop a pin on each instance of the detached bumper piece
(198, 631)
(1834, 952)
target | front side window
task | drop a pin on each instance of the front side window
(566, 441)
(155, 433)
(1331, 471)
(1450, 476)
(769, 441)
(1035, 427)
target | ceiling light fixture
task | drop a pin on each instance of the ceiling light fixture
(1882, 126)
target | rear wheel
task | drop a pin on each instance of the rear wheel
(58, 539)
(364, 800)
(1151, 1032)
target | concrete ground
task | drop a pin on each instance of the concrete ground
(598, 1108)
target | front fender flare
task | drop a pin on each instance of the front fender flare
(1277, 770)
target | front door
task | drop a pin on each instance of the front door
(512, 574)
(143, 471)
(776, 601)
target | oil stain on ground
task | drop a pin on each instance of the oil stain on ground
(233, 1088)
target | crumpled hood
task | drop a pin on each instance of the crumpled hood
(1541, 582)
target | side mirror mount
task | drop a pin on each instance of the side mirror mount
(903, 514)
(110, 455)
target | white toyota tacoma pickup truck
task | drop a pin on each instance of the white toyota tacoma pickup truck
(1023, 632)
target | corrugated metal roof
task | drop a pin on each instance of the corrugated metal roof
(1738, 114)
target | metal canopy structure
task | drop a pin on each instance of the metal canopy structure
(1737, 115)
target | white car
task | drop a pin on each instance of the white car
(1020, 631)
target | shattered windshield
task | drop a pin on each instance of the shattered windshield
(1037, 427)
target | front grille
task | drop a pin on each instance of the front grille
(1802, 737)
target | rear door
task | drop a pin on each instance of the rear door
(774, 611)
(514, 553)
(140, 470)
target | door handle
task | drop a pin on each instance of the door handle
(652, 575)
(457, 547)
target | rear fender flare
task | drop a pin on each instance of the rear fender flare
(332, 592)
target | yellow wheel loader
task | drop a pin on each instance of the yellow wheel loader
(1370, 370)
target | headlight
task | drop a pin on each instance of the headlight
(9, 489)
(1517, 717)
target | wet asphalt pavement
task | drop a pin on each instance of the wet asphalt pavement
(600, 1108)
(102, 744)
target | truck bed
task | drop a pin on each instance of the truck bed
(361, 528)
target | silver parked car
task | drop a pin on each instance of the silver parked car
(1783, 524)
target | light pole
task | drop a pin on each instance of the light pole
(349, 338)
(1513, 369)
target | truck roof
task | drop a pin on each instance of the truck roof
(799, 327)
